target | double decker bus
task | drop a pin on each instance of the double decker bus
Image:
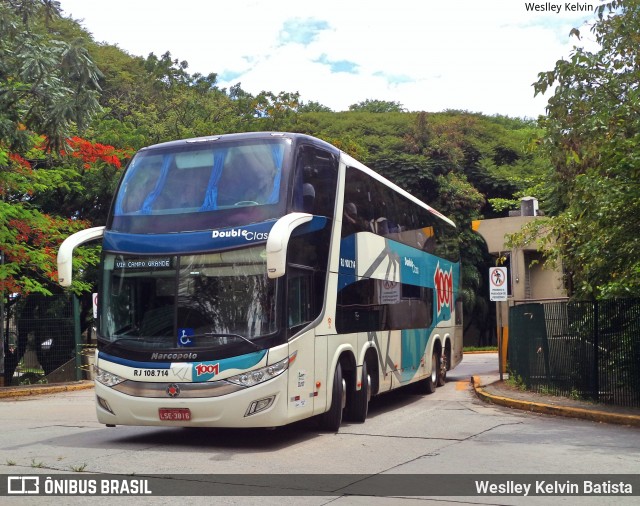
(257, 279)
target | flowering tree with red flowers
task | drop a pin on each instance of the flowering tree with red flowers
(48, 92)
(45, 197)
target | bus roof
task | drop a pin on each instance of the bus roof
(244, 136)
(349, 160)
(346, 158)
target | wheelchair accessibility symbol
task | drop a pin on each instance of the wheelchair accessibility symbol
(185, 337)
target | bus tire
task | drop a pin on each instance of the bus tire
(443, 361)
(332, 419)
(359, 407)
(428, 385)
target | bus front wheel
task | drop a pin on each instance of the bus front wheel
(332, 419)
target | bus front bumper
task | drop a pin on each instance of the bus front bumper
(262, 405)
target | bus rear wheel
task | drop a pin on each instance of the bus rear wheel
(358, 408)
(443, 361)
(428, 385)
(332, 419)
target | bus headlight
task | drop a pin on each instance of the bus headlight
(251, 378)
(107, 378)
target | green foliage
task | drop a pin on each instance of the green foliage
(30, 241)
(377, 106)
(48, 90)
(47, 85)
(593, 141)
(516, 381)
(489, 349)
(33, 197)
(313, 107)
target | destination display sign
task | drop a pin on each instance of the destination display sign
(144, 263)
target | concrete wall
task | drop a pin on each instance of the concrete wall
(529, 278)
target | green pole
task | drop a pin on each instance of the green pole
(77, 336)
(2, 336)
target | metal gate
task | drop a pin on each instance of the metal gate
(588, 350)
(42, 340)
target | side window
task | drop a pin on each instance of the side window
(357, 310)
(373, 305)
(357, 213)
(308, 254)
(448, 242)
(459, 309)
(300, 297)
(315, 182)
(427, 230)
(406, 217)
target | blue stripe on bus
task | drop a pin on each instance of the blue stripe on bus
(187, 242)
(133, 363)
(347, 267)
(195, 242)
(413, 347)
(240, 362)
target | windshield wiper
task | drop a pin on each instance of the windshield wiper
(119, 339)
(222, 334)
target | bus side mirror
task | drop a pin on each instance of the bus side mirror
(279, 240)
(65, 253)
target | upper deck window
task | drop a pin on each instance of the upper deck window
(196, 179)
(202, 185)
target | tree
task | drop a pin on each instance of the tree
(593, 140)
(377, 106)
(146, 101)
(48, 91)
(275, 110)
(313, 107)
(47, 85)
(37, 210)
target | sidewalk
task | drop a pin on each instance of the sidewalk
(491, 389)
(53, 388)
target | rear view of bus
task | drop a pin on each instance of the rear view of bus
(220, 289)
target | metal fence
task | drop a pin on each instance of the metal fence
(586, 350)
(42, 340)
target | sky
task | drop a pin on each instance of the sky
(473, 55)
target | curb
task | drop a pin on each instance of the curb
(28, 390)
(548, 409)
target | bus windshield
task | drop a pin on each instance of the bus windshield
(187, 182)
(201, 301)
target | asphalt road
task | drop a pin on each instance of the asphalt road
(448, 432)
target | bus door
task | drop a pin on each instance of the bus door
(299, 315)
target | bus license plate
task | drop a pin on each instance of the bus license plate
(175, 414)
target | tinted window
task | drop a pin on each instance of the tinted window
(371, 206)
(202, 185)
(316, 177)
(357, 210)
(307, 257)
(374, 304)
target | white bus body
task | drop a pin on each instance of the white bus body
(337, 286)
